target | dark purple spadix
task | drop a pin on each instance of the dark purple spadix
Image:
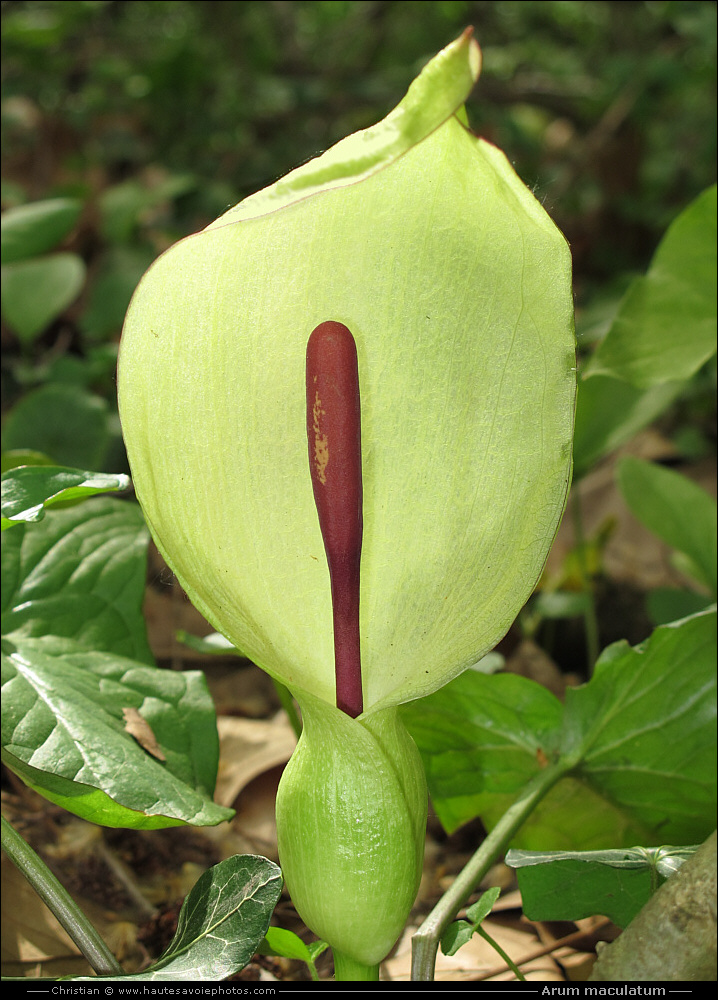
(334, 433)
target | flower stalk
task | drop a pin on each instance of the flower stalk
(425, 941)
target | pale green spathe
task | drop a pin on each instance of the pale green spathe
(456, 287)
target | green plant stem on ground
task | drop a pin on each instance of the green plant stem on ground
(502, 954)
(59, 901)
(426, 940)
(590, 617)
(346, 970)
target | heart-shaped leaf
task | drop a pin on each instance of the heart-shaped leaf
(640, 736)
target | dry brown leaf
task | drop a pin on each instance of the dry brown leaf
(252, 756)
(255, 821)
(141, 730)
(167, 610)
(529, 660)
(30, 933)
(248, 748)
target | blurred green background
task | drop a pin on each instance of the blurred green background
(148, 119)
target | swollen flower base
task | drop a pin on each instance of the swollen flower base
(351, 821)
(405, 301)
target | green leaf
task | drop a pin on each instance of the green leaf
(609, 412)
(570, 885)
(461, 931)
(64, 718)
(481, 734)
(644, 729)
(123, 206)
(63, 421)
(27, 492)
(676, 509)
(287, 944)
(72, 593)
(35, 292)
(317, 948)
(665, 327)
(111, 290)
(222, 921)
(640, 735)
(80, 574)
(667, 604)
(29, 230)
(480, 910)
(19, 456)
(456, 935)
(220, 926)
(556, 604)
(214, 643)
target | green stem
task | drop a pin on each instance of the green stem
(346, 970)
(60, 902)
(426, 940)
(500, 951)
(590, 617)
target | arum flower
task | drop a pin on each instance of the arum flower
(453, 284)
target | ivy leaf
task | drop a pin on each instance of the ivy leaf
(221, 924)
